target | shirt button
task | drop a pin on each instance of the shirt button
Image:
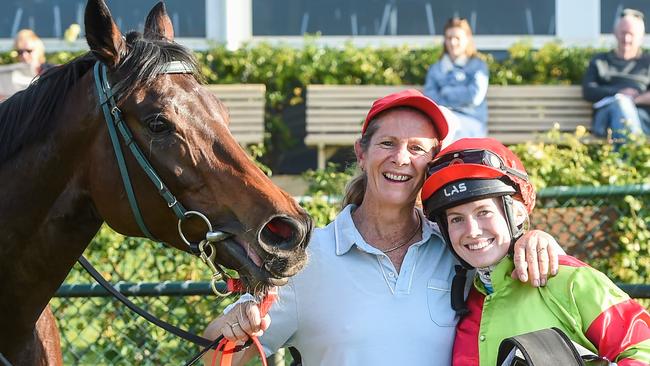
(391, 274)
(482, 338)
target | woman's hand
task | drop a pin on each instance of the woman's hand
(535, 253)
(239, 323)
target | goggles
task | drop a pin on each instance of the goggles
(479, 157)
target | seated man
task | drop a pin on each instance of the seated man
(617, 82)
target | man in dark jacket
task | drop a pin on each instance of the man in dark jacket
(618, 82)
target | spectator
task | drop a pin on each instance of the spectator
(479, 194)
(617, 82)
(30, 50)
(375, 291)
(459, 81)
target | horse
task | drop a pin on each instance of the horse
(61, 180)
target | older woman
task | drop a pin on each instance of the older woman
(459, 81)
(377, 288)
(30, 50)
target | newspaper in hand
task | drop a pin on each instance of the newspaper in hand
(608, 100)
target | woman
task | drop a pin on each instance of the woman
(30, 50)
(376, 289)
(479, 194)
(459, 81)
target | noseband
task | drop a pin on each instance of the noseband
(113, 116)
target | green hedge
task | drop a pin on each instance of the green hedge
(286, 71)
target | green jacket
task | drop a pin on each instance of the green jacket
(580, 300)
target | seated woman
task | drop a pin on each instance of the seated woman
(479, 194)
(459, 81)
(30, 50)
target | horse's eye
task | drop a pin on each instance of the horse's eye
(159, 126)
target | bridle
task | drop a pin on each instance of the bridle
(205, 249)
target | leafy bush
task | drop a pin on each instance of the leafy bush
(324, 192)
(569, 162)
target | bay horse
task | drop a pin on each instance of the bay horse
(60, 178)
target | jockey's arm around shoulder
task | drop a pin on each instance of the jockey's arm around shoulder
(242, 320)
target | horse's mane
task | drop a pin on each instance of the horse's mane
(26, 117)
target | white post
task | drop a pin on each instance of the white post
(578, 22)
(229, 21)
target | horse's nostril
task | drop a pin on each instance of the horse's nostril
(281, 232)
(280, 228)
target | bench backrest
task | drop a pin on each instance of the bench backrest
(246, 105)
(335, 112)
(516, 113)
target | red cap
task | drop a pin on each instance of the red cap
(410, 98)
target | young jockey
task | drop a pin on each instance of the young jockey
(479, 194)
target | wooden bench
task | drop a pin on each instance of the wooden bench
(335, 114)
(517, 113)
(246, 104)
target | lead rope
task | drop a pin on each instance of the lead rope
(219, 344)
(228, 348)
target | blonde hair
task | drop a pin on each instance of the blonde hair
(355, 190)
(461, 23)
(28, 35)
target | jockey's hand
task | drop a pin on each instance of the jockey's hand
(536, 257)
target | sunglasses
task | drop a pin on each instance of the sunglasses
(22, 51)
(632, 12)
(480, 157)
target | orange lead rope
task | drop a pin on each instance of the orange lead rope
(227, 347)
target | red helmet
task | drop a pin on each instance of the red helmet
(474, 168)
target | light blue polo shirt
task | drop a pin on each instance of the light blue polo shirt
(350, 307)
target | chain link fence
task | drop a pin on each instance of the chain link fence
(589, 223)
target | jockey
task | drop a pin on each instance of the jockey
(479, 194)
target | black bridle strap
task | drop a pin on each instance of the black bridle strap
(203, 342)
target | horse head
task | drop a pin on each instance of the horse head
(182, 130)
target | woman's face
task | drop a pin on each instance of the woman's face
(397, 156)
(456, 42)
(479, 231)
(28, 52)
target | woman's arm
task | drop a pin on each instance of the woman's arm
(431, 86)
(535, 257)
(473, 92)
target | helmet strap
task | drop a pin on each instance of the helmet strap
(460, 278)
(458, 291)
(515, 231)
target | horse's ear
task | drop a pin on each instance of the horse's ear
(158, 23)
(102, 34)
